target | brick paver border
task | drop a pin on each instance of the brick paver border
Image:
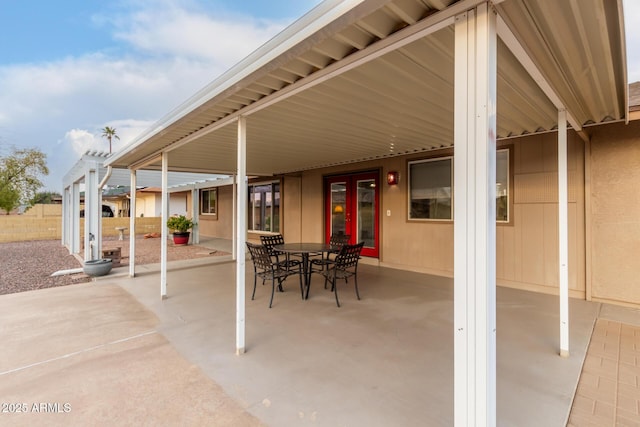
(608, 392)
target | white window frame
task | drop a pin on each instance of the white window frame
(250, 209)
(422, 161)
(507, 192)
(210, 191)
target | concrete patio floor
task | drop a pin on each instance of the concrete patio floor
(384, 360)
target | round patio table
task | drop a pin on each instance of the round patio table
(304, 249)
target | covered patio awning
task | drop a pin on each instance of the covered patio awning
(359, 80)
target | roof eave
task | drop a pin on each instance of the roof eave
(308, 29)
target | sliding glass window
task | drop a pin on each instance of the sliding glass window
(264, 207)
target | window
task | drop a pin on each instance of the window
(502, 185)
(209, 202)
(430, 189)
(264, 207)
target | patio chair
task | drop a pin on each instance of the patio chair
(344, 266)
(320, 264)
(277, 239)
(267, 268)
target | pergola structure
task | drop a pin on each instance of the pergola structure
(356, 80)
(89, 172)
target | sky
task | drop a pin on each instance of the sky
(69, 68)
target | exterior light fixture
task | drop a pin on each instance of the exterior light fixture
(392, 177)
(338, 209)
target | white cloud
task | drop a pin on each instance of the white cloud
(81, 141)
(60, 106)
(173, 31)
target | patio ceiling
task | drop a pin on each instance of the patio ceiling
(359, 80)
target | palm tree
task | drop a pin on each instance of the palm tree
(109, 133)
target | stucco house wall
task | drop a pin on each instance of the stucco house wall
(220, 225)
(527, 247)
(604, 215)
(149, 203)
(614, 212)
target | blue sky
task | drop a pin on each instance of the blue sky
(70, 67)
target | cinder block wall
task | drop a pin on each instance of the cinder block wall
(42, 211)
(18, 228)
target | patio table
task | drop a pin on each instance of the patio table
(304, 249)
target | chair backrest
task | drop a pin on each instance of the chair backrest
(349, 256)
(260, 257)
(339, 240)
(270, 241)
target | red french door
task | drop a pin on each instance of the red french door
(351, 207)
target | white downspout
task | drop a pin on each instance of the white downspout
(104, 181)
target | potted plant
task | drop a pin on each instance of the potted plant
(180, 226)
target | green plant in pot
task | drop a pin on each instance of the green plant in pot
(180, 226)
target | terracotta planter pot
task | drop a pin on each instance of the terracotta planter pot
(181, 238)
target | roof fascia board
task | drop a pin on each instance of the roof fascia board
(301, 30)
(512, 43)
(623, 55)
(140, 164)
(429, 25)
(198, 185)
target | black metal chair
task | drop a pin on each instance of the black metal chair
(344, 266)
(337, 241)
(267, 268)
(269, 241)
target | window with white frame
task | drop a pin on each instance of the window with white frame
(209, 201)
(431, 188)
(264, 207)
(502, 185)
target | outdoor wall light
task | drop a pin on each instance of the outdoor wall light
(392, 177)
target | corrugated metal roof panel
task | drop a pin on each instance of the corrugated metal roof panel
(393, 103)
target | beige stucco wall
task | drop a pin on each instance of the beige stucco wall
(614, 212)
(221, 225)
(527, 247)
(291, 201)
(145, 204)
(402, 243)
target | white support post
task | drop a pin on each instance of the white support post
(132, 223)
(92, 214)
(234, 248)
(475, 218)
(195, 215)
(241, 234)
(98, 214)
(563, 233)
(65, 216)
(75, 222)
(163, 225)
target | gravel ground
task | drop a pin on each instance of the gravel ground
(26, 266)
